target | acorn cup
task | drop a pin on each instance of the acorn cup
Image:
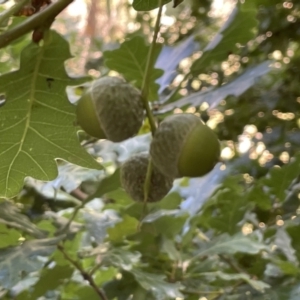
(110, 109)
(133, 176)
(183, 146)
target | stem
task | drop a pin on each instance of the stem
(74, 214)
(149, 63)
(83, 273)
(33, 22)
(79, 194)
(145, 92)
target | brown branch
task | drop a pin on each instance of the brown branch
(79, 194)
(35, 21)
(84, 274)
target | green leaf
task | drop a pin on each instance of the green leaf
(225, 244)
(86, 292)
(8, 237)
(97, 223)
(142, 294)
(108, 184)
(37, 120)
(121, 289)
(280, 178)
(293, 232)
(48, 226)
(121, 230)
(258, 195)
(50, 279)
(256, 284)
(19, 261)
(170, 201)
(104, 275)
(78, 290)
(121, 199)
(165, 222)
(226, 208)
(280, 293)
(71, 247)
(177, 2)
(157, 285)
(286, 268)
(130, 60)
(11, 216)
(144, 5)
(283, 242)
(168, 247)
(238, 29)
(122, 259)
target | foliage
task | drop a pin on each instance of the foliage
(30, 140)
(68, 230)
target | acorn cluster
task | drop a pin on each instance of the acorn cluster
(181, 146)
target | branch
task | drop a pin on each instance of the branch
(33, 22)
(83, 273)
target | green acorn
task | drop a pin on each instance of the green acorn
(133, 175)
(111, 108)
(184, 146)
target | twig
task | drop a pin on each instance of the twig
(83, 273)
(145, 85)
(145, 92)
(79, 194)
(74, 214)
(33, 22)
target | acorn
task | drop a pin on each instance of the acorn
(133, 175)
(110, 109)
(183, 146)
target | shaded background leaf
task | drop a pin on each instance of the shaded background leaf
(21, 260)
(130, 60)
